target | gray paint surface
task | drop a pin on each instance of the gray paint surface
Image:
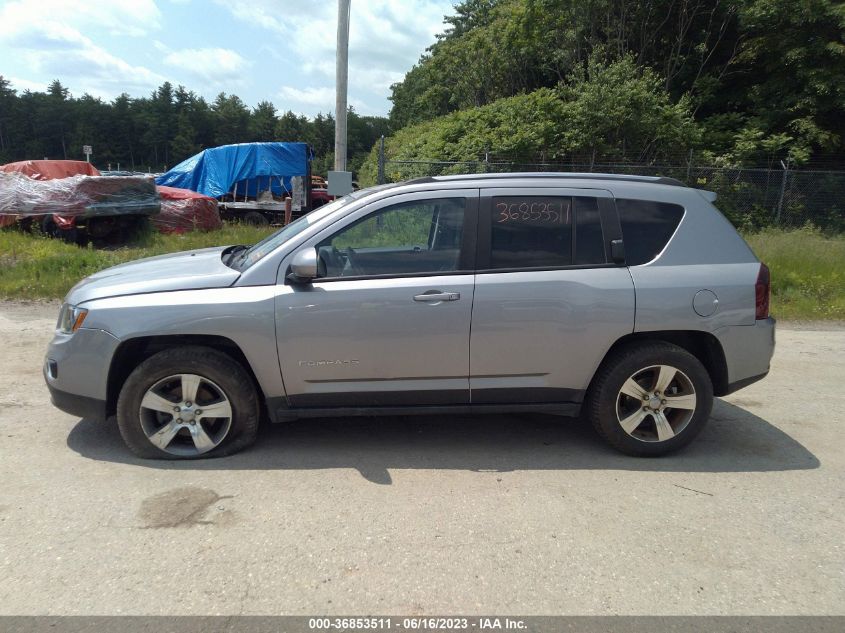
(547, 329)
(181, 271)
(384, 340)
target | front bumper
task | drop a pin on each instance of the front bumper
(76, 369)
(81, 406)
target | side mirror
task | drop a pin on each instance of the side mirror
(303, 268)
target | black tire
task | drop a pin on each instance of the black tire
(601, 403)
(208, 363)
(254, 218)
(51, 229)
(48, 226)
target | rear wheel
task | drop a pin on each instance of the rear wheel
(254, 218)
(650, 398)
(186, 403)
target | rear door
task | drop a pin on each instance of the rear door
(549, 302)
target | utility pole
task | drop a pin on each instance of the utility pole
(341, 81)
(381, 161)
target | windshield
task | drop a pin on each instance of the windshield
(254, 253)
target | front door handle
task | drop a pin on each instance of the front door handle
(434, 296)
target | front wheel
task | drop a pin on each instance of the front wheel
(650, 399)
(187, 403)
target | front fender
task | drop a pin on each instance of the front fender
(244, 315)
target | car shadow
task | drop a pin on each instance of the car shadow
(734, 440)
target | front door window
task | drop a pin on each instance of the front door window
(415, 237)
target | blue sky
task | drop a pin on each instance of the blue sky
(279, 50)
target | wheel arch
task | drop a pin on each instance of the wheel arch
(703, 345)
(131, 352)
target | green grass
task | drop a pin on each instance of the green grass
(36, 267)
(808, 268)
(808, 272)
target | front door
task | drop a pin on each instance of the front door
(387, 321)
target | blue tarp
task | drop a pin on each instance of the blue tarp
(214, 172)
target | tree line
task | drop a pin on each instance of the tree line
(739, 82)
(155, 133)
(753, 81)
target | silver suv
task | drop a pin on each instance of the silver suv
(629, 299)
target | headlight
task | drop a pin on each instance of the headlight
(71, 318)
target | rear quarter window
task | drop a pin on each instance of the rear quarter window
(647, 227)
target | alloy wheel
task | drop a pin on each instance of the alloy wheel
(185, 414)
(656, 403)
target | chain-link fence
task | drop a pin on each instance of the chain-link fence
(750, 198)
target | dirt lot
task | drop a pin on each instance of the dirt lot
(505, 514)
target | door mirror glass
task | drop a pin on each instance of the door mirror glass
(303, 268)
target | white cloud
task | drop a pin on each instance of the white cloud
(264, 13)
(117, 17)
(90, 68)
(25, 84)
(48, 38)
(386, 38)
(314, 99)
(83, 65)
(216, 66)
(283, 49)
(319, 97)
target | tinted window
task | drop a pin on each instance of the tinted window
(589, 243)
(647, 227)
(412, 237)
(531, 232)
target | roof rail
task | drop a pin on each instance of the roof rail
(658, 180)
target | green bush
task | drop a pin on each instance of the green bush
(603, 109)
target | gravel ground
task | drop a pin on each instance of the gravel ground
(510, 514)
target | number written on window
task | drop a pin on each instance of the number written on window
(535, 210)
(531, 232)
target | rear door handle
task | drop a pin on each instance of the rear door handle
(434, 296)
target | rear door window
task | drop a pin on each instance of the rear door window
(531, 232)
(545, 232)
(647, 227)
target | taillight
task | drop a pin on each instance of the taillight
(762, 290)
